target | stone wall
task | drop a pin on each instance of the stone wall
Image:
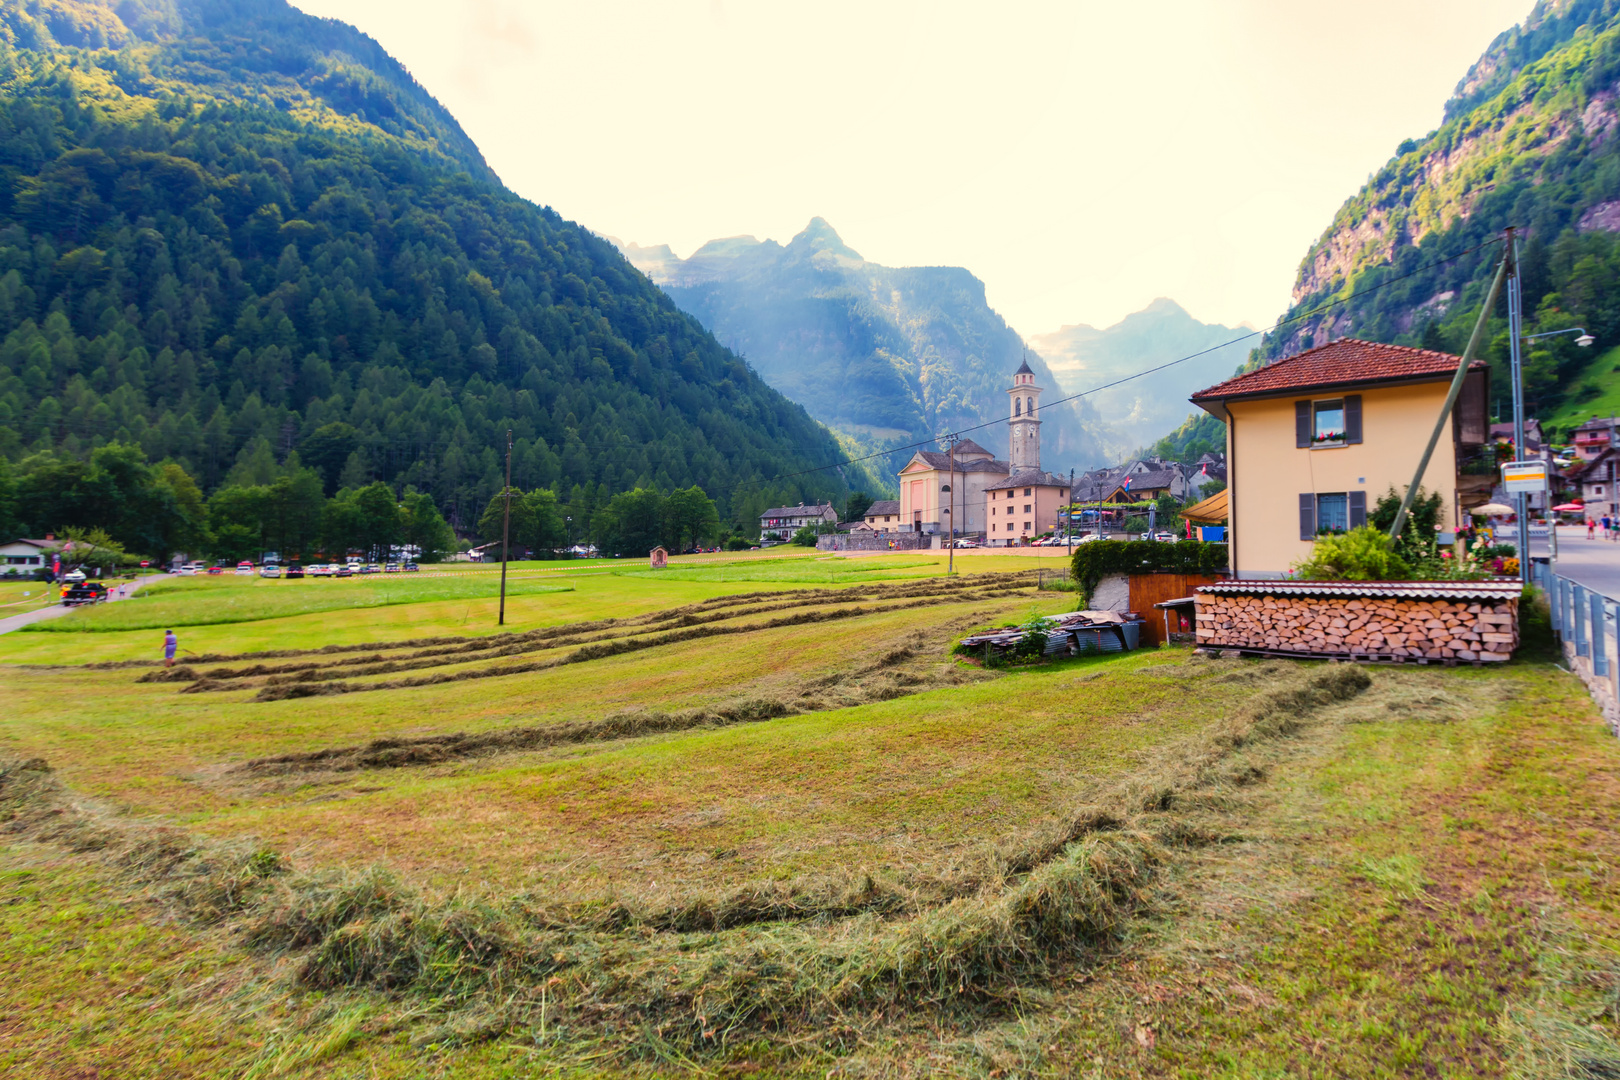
(866, 541)
(1484, 630)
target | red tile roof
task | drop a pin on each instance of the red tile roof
(1342, 362)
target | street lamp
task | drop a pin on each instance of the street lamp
(1583, 341)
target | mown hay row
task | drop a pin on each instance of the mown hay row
(434, 749)
(699, 991)
(800, 597)
(511, 645)
(312, 683)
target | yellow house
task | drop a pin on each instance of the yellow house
(1316, 438)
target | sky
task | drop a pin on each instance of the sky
(1080, 158)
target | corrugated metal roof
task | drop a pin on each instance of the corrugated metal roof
(1402, 590)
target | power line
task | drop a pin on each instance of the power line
(1149, 371)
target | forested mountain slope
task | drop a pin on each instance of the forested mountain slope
(1531, 138)
(884, 355)
(230, 229)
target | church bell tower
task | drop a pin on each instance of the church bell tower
(1024, 430)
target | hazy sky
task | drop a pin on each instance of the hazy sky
(1081, 158)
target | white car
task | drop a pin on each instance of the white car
(244, 568)
(270, 571)
(357, 568)
(74, 576)
(1090, 537)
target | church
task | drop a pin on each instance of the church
(1005, 502)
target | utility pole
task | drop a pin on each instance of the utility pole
(506, 525)
(950, 533)
(1515, 358)
(1068, 527)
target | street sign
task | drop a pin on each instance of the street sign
(1524, 476)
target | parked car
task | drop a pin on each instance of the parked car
(216, 569)
(391, 568)
(372, 568)
(270, 571)
(295, 570)
(1089, 537)
(344, 570)
(355, 567)
(410, 568)
(967, 542)
(244, 567)
(73, 576)
(1165, 537)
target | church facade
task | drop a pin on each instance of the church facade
(1006, 502)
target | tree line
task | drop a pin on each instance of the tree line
(221, 284)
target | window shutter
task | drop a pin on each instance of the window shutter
(1302, 424)
(1307, 513)
(1358, 509)
(1352, 420)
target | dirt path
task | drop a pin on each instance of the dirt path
(54, 610)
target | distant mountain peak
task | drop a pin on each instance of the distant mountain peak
(820, 236)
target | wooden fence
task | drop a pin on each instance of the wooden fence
(1150, 589)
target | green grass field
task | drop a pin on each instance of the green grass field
(685, 823)
(1595, 392)
(209, 601)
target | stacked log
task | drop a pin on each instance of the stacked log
(1405, 629)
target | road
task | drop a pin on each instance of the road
(17, 622)
(1593, 563)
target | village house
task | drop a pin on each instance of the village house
(1145, 479)
(26, 556)
(1597, 484)
(781, 522)
(884, 515)
(1007, 501)
(1595, 436)
(1314, 439)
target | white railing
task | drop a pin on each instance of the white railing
(1586, 623)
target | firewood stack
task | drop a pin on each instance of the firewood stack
(1379, 627)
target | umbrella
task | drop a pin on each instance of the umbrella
(1491, 510)
(1568, 508)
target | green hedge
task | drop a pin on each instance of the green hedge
(1093, 561)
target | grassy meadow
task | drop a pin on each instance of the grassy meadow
(749, 815)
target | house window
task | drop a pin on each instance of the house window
(1332, 513)
(1026, 508)
(1329, 426)
(1026, 492)
(1598, 491)
(1026, 526)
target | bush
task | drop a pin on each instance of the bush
(805, 537)
(1092, 561)
(738, 543)
(1362, 554)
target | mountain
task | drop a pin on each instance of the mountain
(1530, 138)
(884, 356)
(229, 230)
(1083, 357)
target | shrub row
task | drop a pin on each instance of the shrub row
(1093, 561)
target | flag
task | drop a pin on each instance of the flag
(1127, 484)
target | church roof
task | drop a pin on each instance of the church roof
(1023, 369)
(968, 446)
(937, 460)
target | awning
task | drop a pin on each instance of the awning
(1211, 511)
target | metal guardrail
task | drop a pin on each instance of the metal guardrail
(1586, 619)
